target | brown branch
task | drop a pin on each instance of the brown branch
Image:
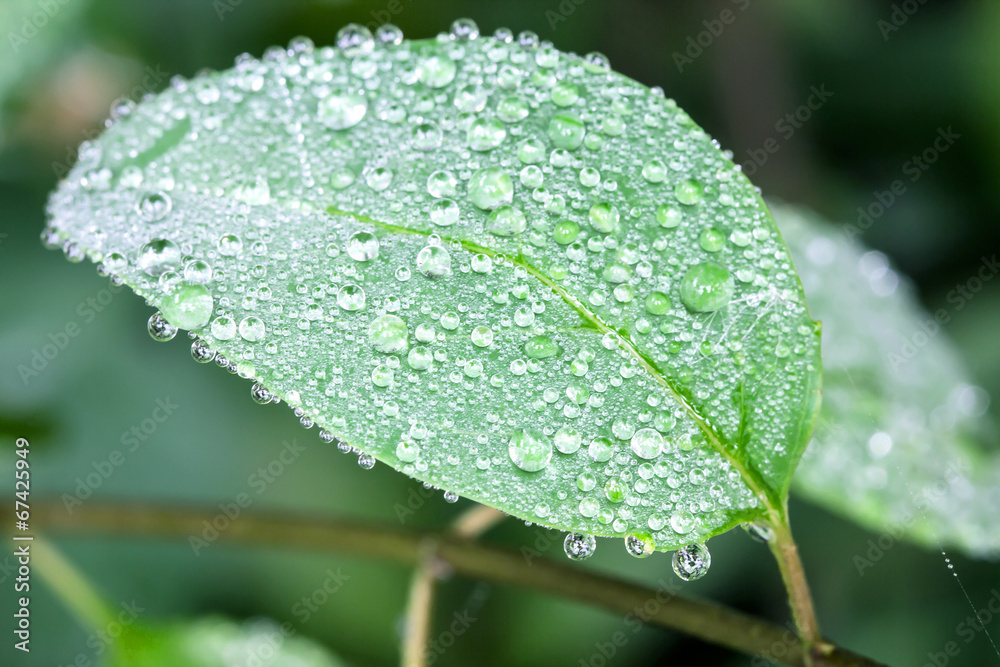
(704, 620)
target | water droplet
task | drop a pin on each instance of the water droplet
(707, 287)
(512, 109)
(711, 240)
(668, 216)
(419, 359)
(654, 171)
(600, 449)
(681, 522)
(444, 212)
(252, 329)
(187, 306)
(485, 134)
(541, 347)
(389, 34)
(407, 452)
(351, 297)
(342, 109)
(689, 191)
(154, 206)
(506, 221)
(530, 449)
(657, 303)
(464, 29)
(223, 327)
(229, 245)
(388, 334)
(615, 490)
(366, 461)
(604, 217)
(491, 188)
(640, 545)
(579, 546)
(434, 261)
(482, 336)
(363, 247)
(566, 131)
(437, 71)
(442, 183)
(568, 440)
(261, 394)
(160, 329)
(201, 352)
(647, 443)
(159, 256)
(355, 40)
(565, 94)
(692, 562)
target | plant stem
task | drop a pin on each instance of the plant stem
(70, 586)
(419, 609)
(707, 621)
(786, 553)
(417, 626)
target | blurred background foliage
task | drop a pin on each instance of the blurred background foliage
(893, 85)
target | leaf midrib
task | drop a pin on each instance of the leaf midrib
(752, 479)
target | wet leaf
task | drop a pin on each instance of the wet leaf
(900, 444)
(504, 270)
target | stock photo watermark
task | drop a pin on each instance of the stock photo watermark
(130, 440)
(697, 44)
(786, 127)
(258, 482)
(928, 328)
(912, 170)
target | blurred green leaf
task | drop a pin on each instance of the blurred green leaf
(218, 642)
(900, 442)
(503, 270)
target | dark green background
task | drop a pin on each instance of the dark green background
(891, 92)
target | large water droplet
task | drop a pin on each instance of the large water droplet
(692, 562)
(355, 40)
(530, 449)
(434, 261)
(579, 546)
(506, 221)
(485, 134)
(188, 306)
(388, 334)
(541, 347)
(252, 329)
(159, 256)
(436, 71)
(350, 297)
(640, 545)
(362, 247)
(707, 287)
(566, 131)
(342, 109)
(689, 191)
(159, 329)
(491, 188)
(647, 443)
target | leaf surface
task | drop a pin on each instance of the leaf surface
(501, 269)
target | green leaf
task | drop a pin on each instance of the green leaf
(504, 270)
(900, 444)
(217, 642)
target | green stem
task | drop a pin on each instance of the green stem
(70, 586)
(417, 627)
(786, 553)
(704, 620)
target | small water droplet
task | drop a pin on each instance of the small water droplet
(159, 329)
(342, 109)
(491, 188)
(363, 247)
(640, 545)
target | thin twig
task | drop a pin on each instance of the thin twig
(705, 620)
(420, 605)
